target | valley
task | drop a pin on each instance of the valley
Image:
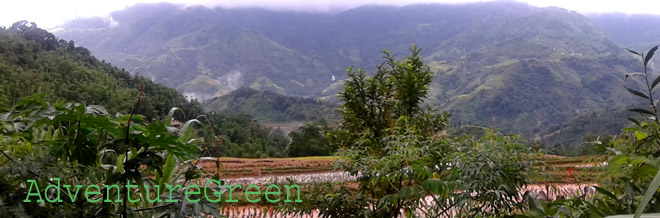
(479, 109)
(501, 64)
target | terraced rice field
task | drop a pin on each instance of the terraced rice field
(558, 169)
(571, 170)
(244, 167)
(563, 176)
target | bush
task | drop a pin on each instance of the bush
(400, 156)
(310, 140)
(84, 145)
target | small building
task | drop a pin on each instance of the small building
(176, 124)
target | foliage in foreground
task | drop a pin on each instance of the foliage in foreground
(405, 167)
(631, 182)
(85, 145)
(400, 155)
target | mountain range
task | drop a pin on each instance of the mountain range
(510, 65)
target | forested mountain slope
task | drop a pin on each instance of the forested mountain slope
(507, 64)
(272, 107)
(34, 61)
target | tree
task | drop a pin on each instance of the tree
(310, 140)
(399, 154)
(374, 107)
(385, 131)
(242, 137)
(30, 31)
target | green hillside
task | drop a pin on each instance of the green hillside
(567, 139)
(272, 107)
(460, 110)
(34, 61)
(502, 64)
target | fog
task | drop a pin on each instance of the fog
(49, 14)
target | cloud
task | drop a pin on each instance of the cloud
(49, 14)
(318, 5)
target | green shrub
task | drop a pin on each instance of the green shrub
(399, 154)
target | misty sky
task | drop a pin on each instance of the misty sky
(48, 13)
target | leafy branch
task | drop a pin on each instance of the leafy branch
(649, 86)
(655, 183)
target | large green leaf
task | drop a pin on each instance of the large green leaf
(641, 135)
(652, 189)
(96, 109)
(168, 172)
(187, 125)
(644, 171)
(168, 118)
(614, 164)
(605, 192)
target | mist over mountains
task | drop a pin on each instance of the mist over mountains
(517, 67)
(637, 31)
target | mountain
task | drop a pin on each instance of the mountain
(637, 31)
(517, 67)
(561, 138)
(532, 71)
(34, 61)
(272, 107)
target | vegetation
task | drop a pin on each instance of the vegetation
(491, 78)
(630, 184)
(66, 118)
(33, 61)
(268, 106)
(310, 140)
(396, 150)
(82, 143)
(396, 166)
(72, 143)
(51, 132)
(242, 136)
(575, 137)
